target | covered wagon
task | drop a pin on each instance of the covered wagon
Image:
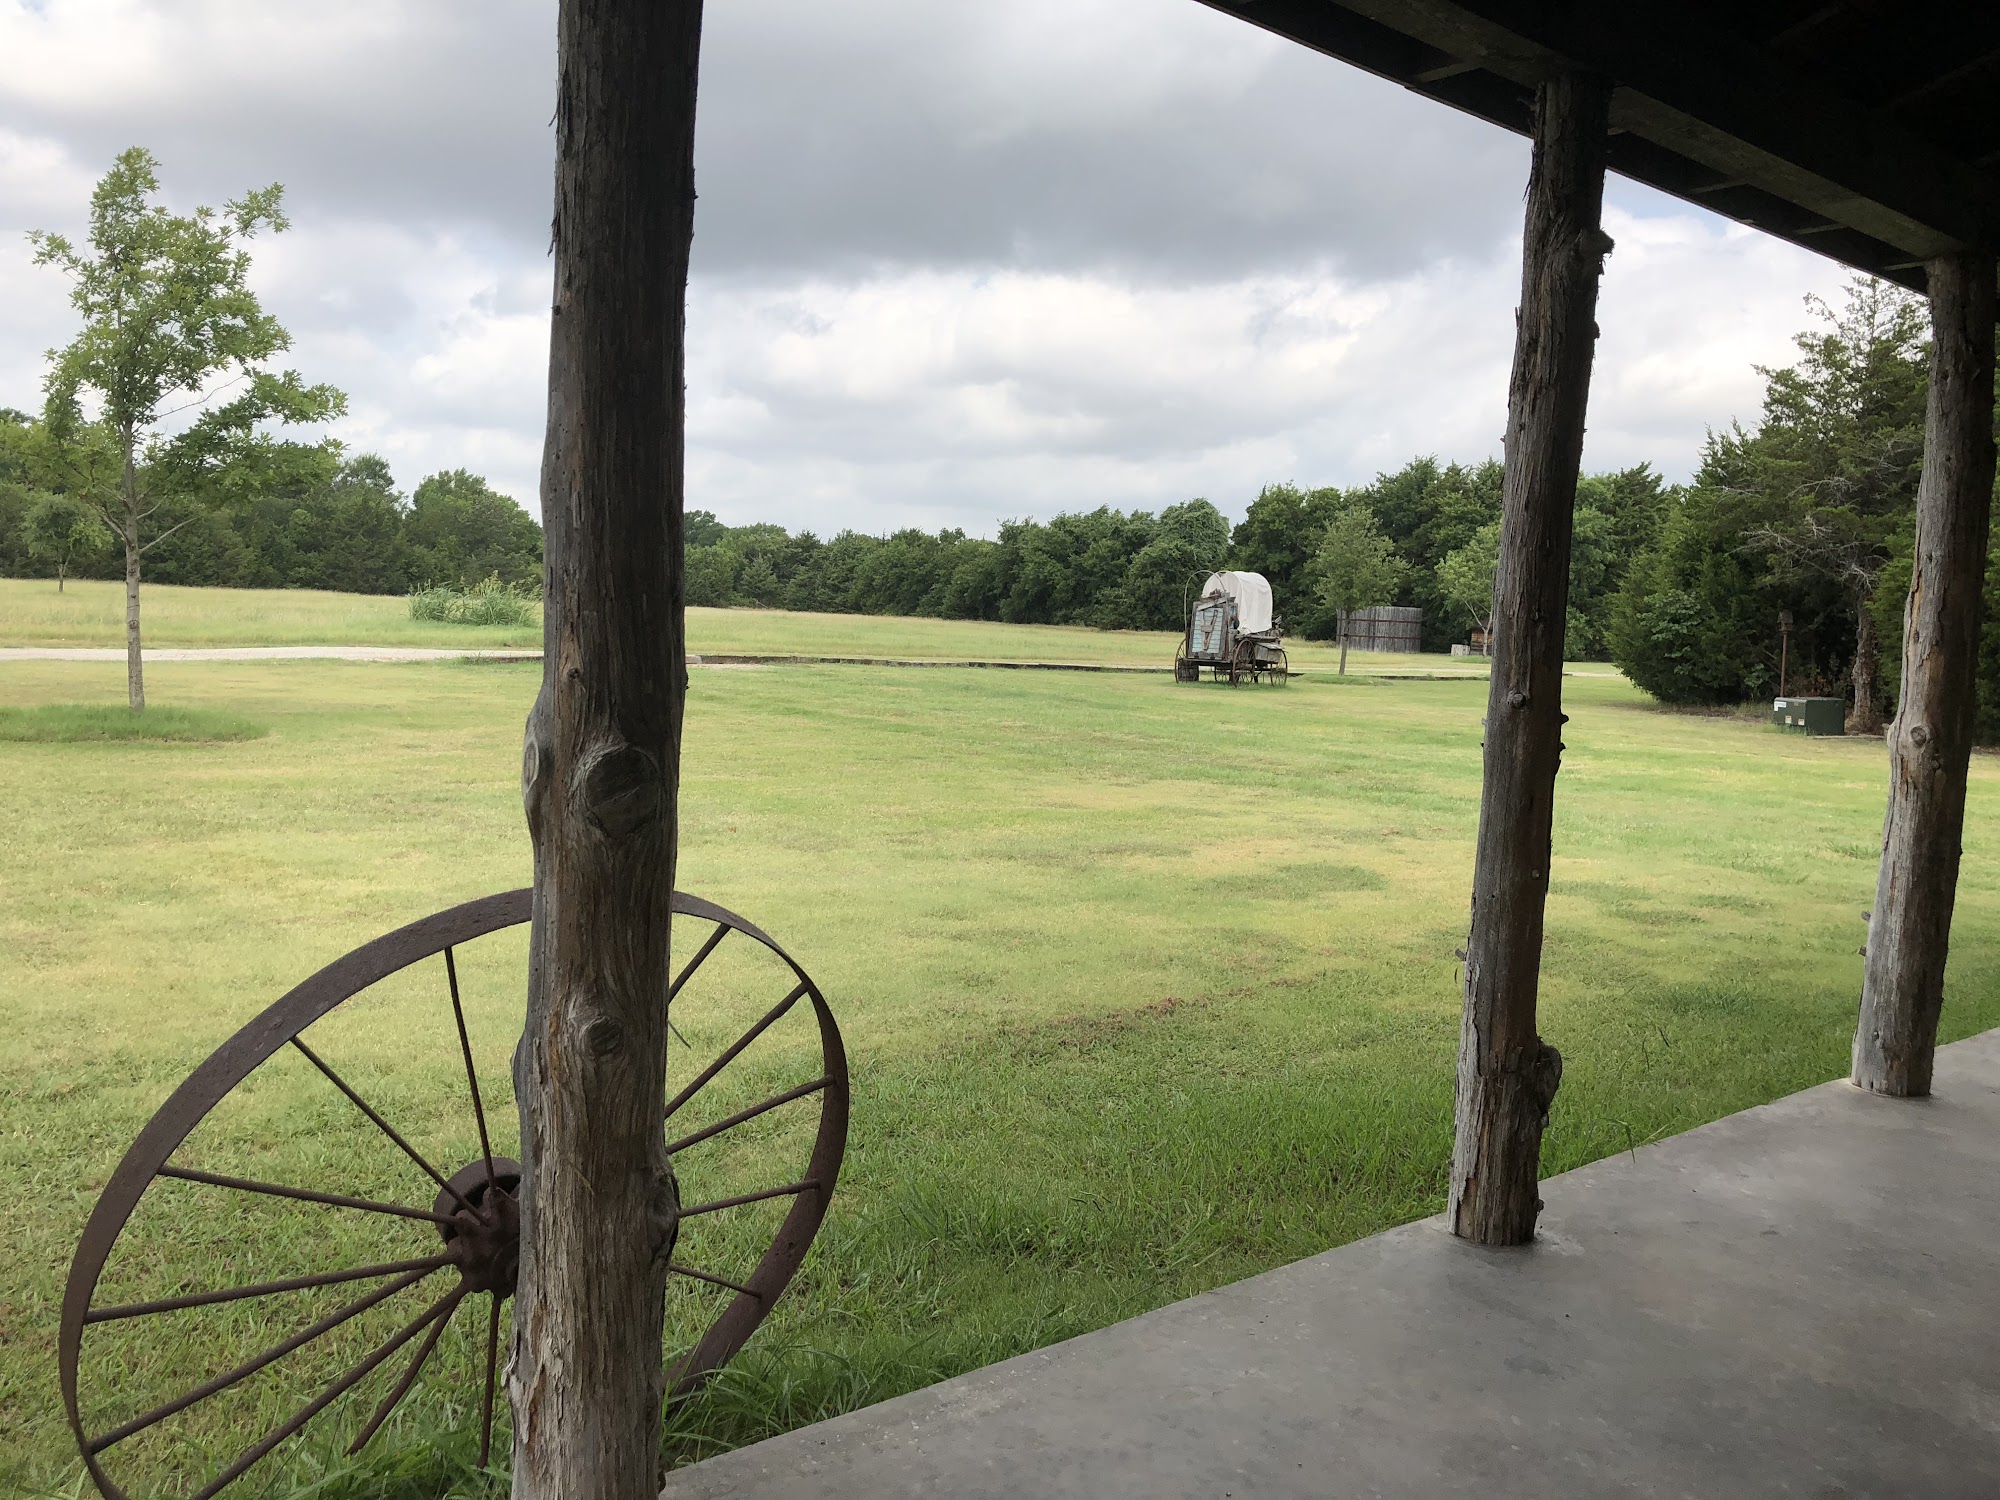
(1232, 632)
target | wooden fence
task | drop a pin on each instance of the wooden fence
(1385, 627)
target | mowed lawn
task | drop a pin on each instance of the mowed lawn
(1145, 987)
(91, 612)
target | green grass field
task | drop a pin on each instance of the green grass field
(92, 613)
(1146, 987)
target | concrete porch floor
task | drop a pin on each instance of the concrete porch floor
(1799, 1300)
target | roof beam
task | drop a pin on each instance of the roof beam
(1687, 82)
(1689, 88)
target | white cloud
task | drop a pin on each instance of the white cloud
(953, 263)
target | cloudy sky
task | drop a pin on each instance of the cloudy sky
(952, 261)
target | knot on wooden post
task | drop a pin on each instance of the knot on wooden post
(1545, 1076)
(536, 754)
(666, 1216)
(620, 788)
(604, 1037)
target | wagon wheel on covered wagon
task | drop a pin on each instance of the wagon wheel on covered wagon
(1243, 665)
(177, 1338)
(1185, 670)
(1279, 669)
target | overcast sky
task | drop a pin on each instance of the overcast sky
(953, 261)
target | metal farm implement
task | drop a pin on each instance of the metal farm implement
(257, 1255)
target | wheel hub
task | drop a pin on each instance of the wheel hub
(484, 1239)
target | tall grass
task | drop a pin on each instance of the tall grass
(487, 602)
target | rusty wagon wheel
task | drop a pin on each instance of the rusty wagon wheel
(372, 1269)
(1279, 671)
(1243, 663)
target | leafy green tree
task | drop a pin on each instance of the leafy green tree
(460, 530)
(711, 575)
(167, 310)
(1276, 537)
(1803, 514)
(1192, 540)
(1429, 510)
(1355, 567)
(1842, 443)
(347, 533)
(1465, 578)
(63, 530)
(701, 529)
(1695, 621)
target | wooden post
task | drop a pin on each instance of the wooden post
(601, 762)
(1902, 986)
(1507, 1075)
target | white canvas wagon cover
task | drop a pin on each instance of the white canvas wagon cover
(1252, 594)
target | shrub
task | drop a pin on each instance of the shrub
(488, 602)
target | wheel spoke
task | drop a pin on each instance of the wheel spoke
(382, 1124)
(303, 1195)
(492, 1368)
(440, 1308)
(225, 1380)
(471, 1076)
(751, 1113)
(261, 1289)
(742, 1198)
(715, 937)
(409, 1379)
(676, 1269)
(770, 1019)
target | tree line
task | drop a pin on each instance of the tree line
(1807, 517)
(309, 517)
(1133, 570)
(1809, 514)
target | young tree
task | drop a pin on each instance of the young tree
(167, 315)
(1355, 567)
(65, 531)
(1465, 577)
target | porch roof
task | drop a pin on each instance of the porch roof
(1866, 131)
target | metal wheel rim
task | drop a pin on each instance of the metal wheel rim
(317, 996)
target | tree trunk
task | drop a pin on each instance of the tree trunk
(1930, 742)
(1867, 715)
(135, 667)
(59, 577)
(601, 763)
(1507, 1076)
(1342, 625)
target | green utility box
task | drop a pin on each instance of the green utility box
(1810, 715)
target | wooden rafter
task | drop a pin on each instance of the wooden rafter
(1701, 111)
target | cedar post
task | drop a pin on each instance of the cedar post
(1902, 986)
(1507, 1075)
(601, 762)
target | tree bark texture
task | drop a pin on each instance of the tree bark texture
(135, 666)
(601, 762)
(1507, 1076)
(1930, 741)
